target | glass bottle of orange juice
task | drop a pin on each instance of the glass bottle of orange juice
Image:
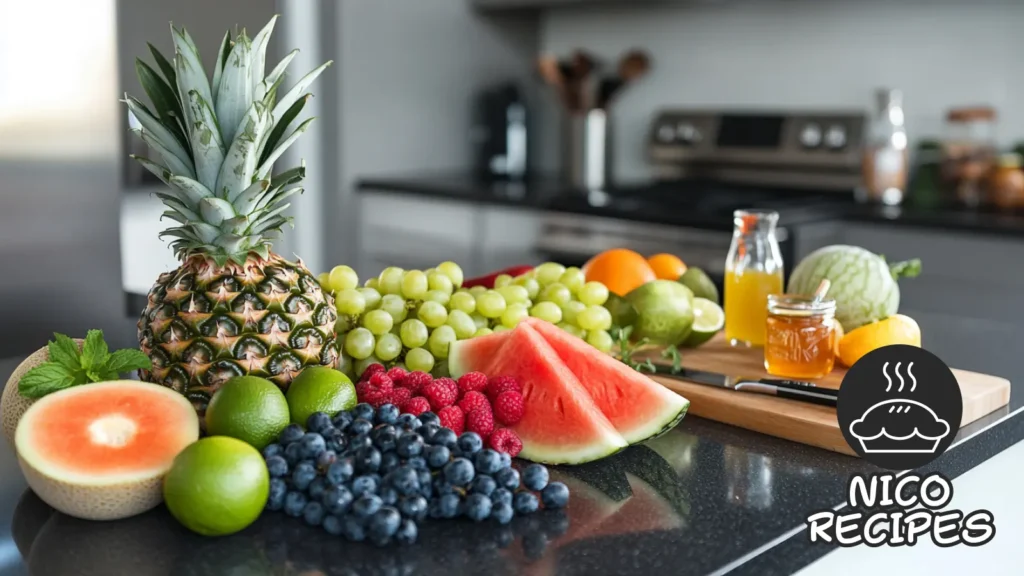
(753, 270)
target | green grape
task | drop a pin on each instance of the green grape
(388, 347)
(438, 281)
(438, 296)
(414, 333)
(502, 280)
(482, 332)
(573, 279)
(556, 293)
(414, 285)
(350, 301)
(324, 279)
(371, 283)
(571, 329)
(462, 324)
(514, 294)
(419, 359)
(345, 323)
(394, 304)
(571, 309)
(514, 314)
(347, 366)
(490, 304)
(463, 301)
(360, 366)
(549, 272)
(531, 285)
(593, 294)
(476, 290)
(501, 328)
(595, 318)
(440, 339)
(452, 271)
(430, 271)
(432, 314)
(479, 321)
(600, 339)
(359, 343)
(390, 280)
(342, 278)
(378, 321)
(547, 311)
(371, 296)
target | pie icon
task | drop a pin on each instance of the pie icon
(899, 425)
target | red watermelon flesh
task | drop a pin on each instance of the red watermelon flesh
(637, 406)
(561, 424)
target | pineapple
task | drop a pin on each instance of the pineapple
(233, 307)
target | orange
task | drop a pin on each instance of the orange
(896, 329)
(839, 337)
(620, 270)
(667, 266)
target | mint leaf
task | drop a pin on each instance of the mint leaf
(127, 360)
(64, 351)
(44, 379)
(108, 376)
(94, 352)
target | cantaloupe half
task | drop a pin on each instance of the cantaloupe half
(13, 404)
(100, 451)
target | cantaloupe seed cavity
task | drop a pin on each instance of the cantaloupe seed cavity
(114, 431)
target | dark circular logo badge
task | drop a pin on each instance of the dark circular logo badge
(899, 407)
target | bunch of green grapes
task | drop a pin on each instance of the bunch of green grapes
(411, 317)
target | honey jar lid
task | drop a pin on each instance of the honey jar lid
(800, 305)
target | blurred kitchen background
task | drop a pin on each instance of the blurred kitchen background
(501, 132)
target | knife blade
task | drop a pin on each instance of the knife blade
(789, 389)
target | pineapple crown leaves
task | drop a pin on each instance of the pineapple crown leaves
(68, 366)
(214, 142)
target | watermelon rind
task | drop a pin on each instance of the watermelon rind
(556, 454)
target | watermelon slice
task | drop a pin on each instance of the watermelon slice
(561, 424)
(637, 406)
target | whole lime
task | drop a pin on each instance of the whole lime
(664, 312)
(319, 389)
(217, 486)
(249, 408)
(698, 282)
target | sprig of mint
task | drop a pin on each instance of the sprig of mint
(677, 358)
(69, 366)
(627, 349)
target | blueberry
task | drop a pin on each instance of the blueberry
(313, 513)
(427, 431)
(278, 489)
(487, 461)
(477, 507)
(367, 460)
(277, 466)
(424, 476)
(404, 479)
(384, 437)
(470, 443)
(406, 533)
(337, 500)
(387, 414)
(535, 477)
(336, 440)
(409, 445)
(458, 472)
(332, 525)
(366, 505)
(339, 472)
(325, 459)
(502, 512)
(388, 495)
(388, 462)
(446, 506)
(534, 544)
(274, 449)
(445, 437)
(360, 441)
(364, 411)
(341, 420)
(384, 523)
(501, 495)
(441, 486)
(317, 488)
(291, 433)
(312, 445)
(555, 495)
(508, 478)
(525, 502)
(506, 460)
(359, 426)
(294, 502)
(483, 484)
(303, 474)
(437, 456)
(414, 507)
(352, 528)
(293, 453)
(318, 422)
(408, 422)
(430, 418)
(364, 485)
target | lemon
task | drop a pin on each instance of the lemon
(319, 389)
(896, 329)
(708, 319)
(217, 486)
(249, 408)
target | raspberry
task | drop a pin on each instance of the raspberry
(481, 422)
(439, 395)
(473, 400)
(397, 374)
(416, 406)
(508, 407)
(472, 382)
(452, 417)
(500, 384)
(452, 385)
(371, 370)
(415, 381)
(399, 396)
(371, 395)
(381, 381)
(505, 440)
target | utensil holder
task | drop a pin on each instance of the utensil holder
(587, 140)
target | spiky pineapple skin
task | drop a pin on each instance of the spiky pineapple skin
(204, 324)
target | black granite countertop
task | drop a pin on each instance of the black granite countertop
(705, 498)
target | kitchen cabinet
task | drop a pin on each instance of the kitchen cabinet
(513, 5)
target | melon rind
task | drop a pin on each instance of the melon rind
(13, 405)
(98, 498)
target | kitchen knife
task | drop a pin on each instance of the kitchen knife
(789, 389)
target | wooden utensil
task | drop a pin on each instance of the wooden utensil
(582, 68)
(631, 67)
(552, 72)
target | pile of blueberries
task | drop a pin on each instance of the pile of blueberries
(374, 474)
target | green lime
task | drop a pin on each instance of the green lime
(698, 282)
(320, 389)
(664, 312)
(623, 313)
(708, 319)
(249, 408)
(217, 486)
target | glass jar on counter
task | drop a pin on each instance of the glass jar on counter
(753, 271)
(800, 336)
(969, 152)
(1006, 183)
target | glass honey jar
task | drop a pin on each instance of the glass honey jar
(800, 336)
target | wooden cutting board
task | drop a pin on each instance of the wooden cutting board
(793, 420)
